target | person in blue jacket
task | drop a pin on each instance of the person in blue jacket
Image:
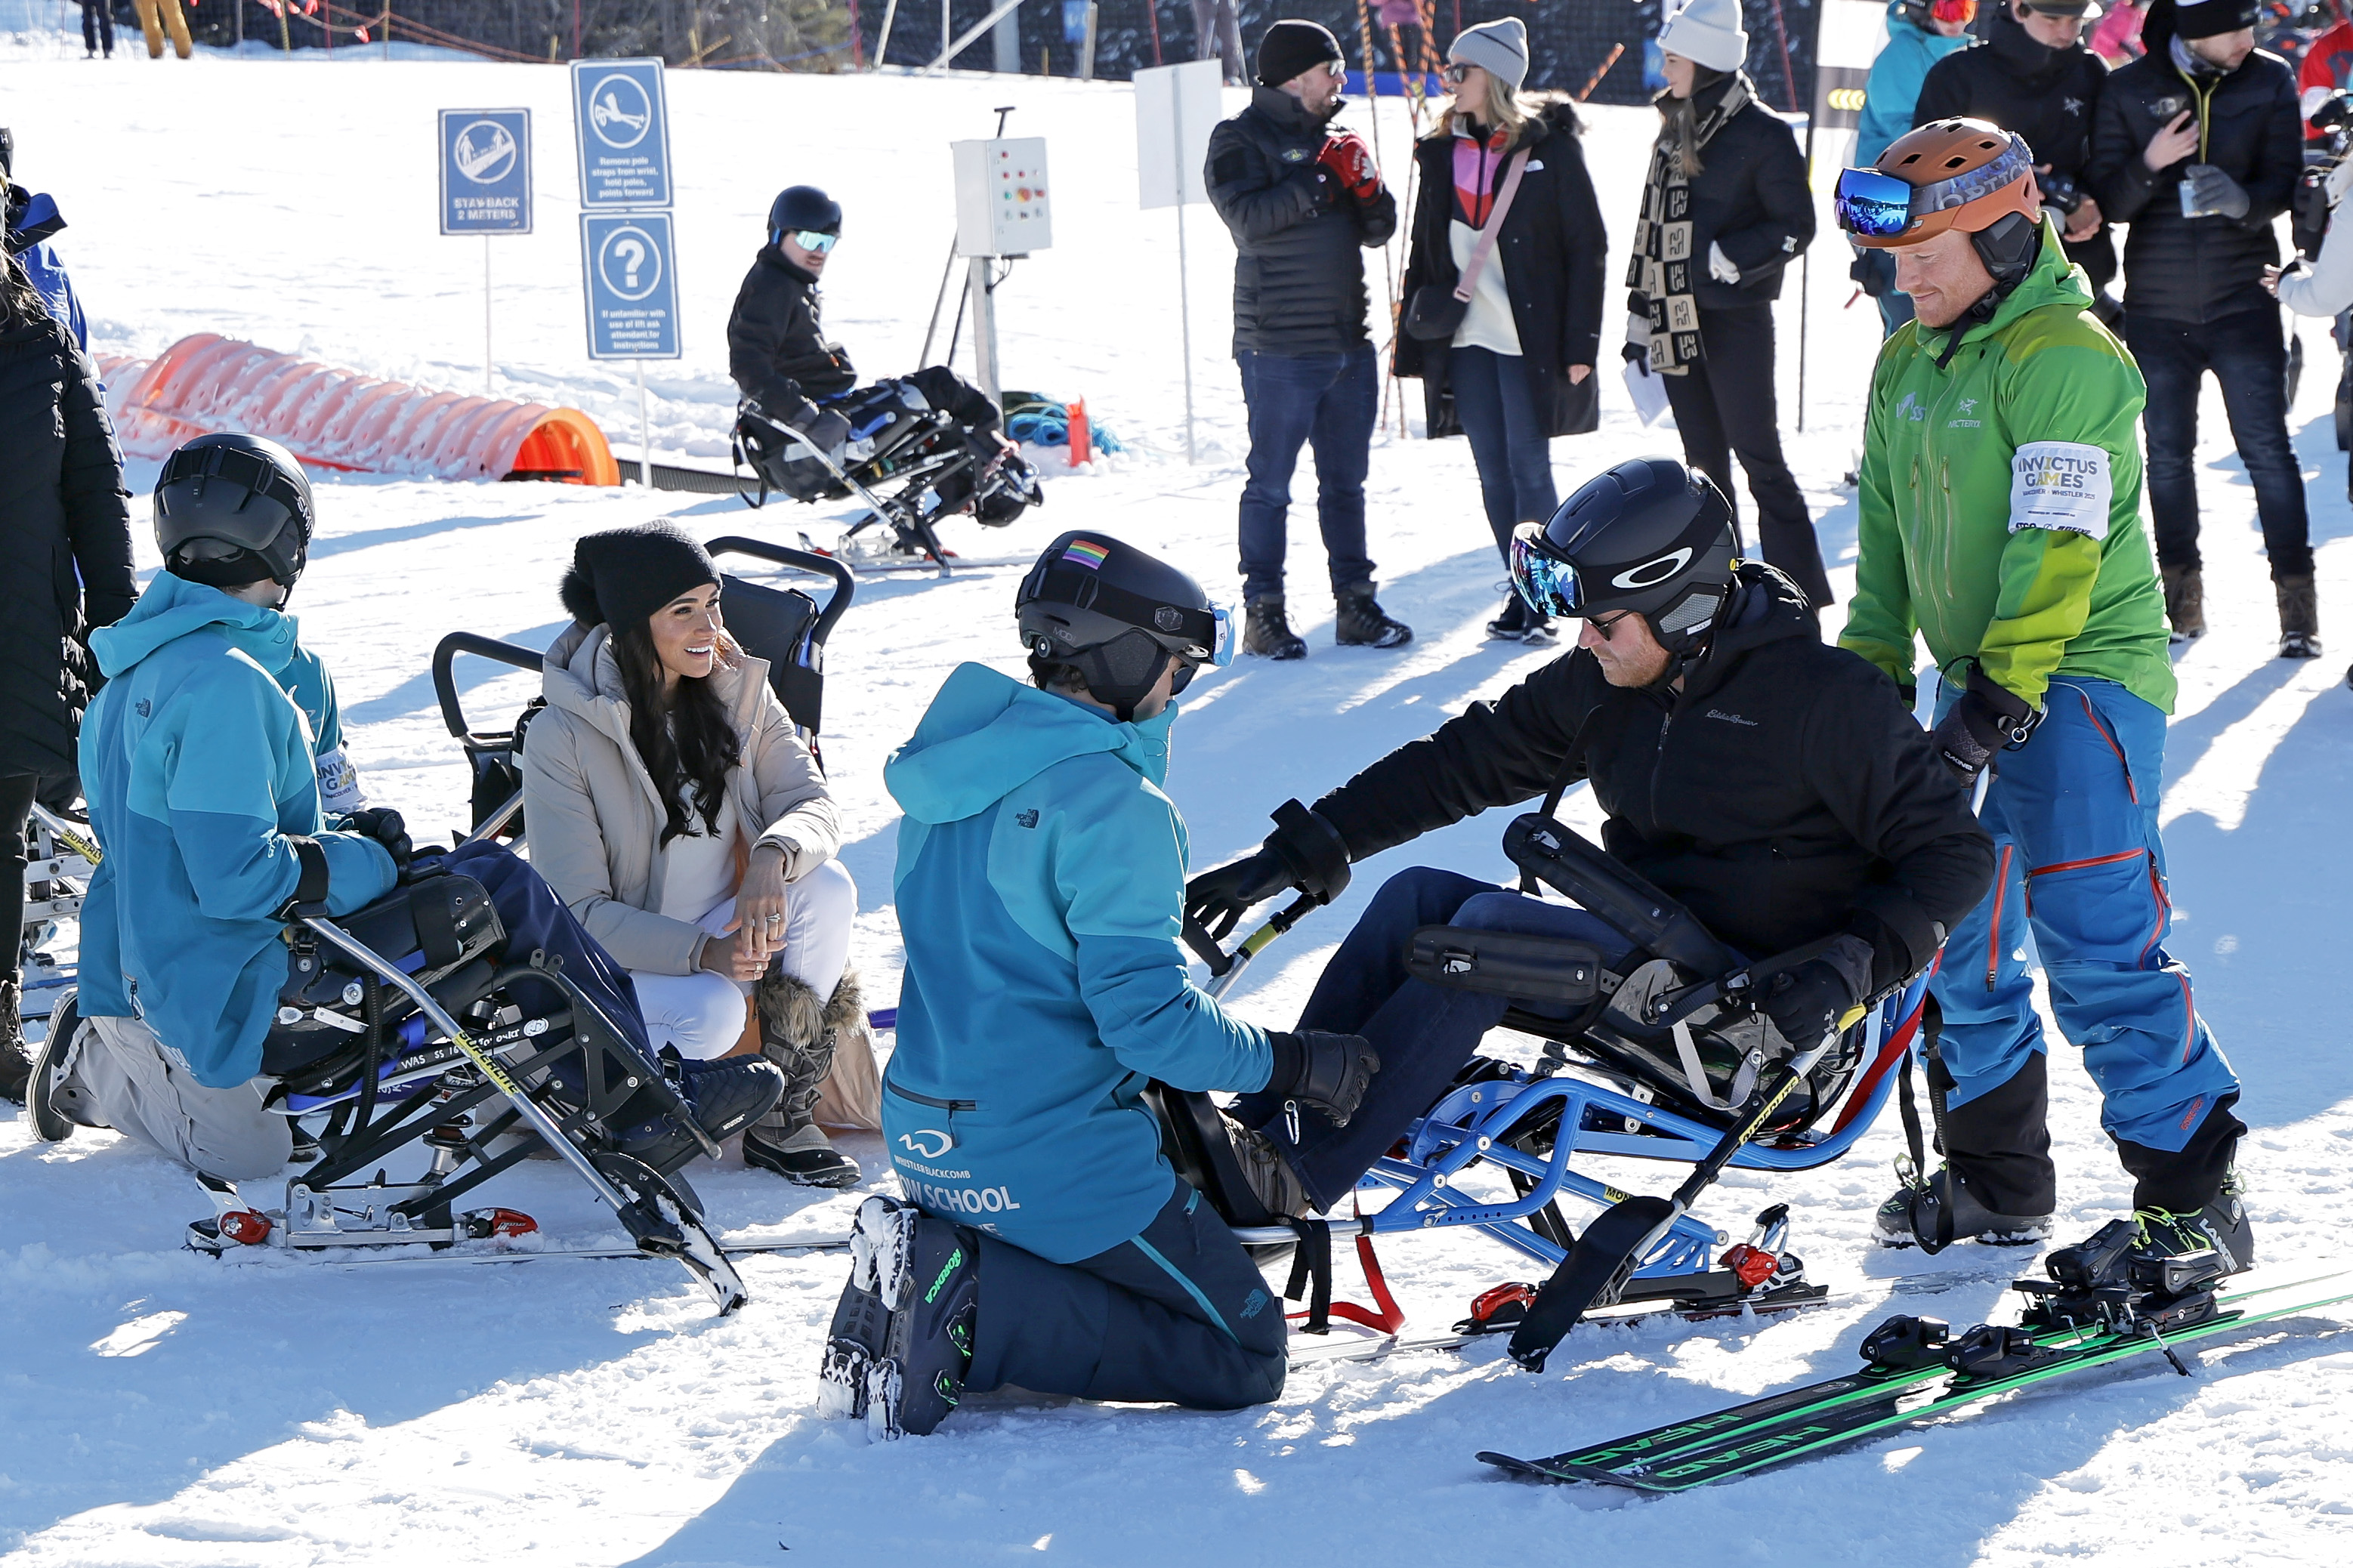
(202, 769)
(1040, 888)
(1919, 34)
(32, 216)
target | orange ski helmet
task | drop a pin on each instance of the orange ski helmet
(1966, 174)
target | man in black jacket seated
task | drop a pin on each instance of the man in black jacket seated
(1303, 204)
(781, 358)
(2198, 146)
(1774, 785)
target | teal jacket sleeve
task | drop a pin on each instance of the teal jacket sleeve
(1121, 875)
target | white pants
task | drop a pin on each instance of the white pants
(123, 1079)
(703, 1013)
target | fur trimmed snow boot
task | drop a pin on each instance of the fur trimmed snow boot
(799, 1034)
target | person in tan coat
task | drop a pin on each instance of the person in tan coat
(674, 806)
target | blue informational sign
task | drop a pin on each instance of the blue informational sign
(623, 124)
(486, 171)
(630, 264)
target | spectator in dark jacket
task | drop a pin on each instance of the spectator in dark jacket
(31, 218)
(1519, 369)
(1304, 203)
(2032, 75)
(2198, 146)
(65, 567)
(1725, 210)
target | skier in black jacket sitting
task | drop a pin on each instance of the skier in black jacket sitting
(1775, 785)
(784, 364)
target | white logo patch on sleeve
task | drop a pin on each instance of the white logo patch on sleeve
(339, 784)
(2061, 485)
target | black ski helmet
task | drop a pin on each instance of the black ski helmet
(803, 208)
(1117, 615)
(1649, 535)
(231, 509)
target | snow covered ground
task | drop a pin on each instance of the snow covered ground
(159, 1408)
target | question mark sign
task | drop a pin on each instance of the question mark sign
(631, 253)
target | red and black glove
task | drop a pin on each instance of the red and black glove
(1351, 162)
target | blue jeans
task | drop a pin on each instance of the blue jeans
(2077, 857)
(2248, 356)
(1327, 401)
(1424, 1033)
(1498, 411)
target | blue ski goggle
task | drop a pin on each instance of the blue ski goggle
(810, 239)
(1876, 205)
(1547, 582)
(1222, 642)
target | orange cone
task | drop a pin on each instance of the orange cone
(1081, 441)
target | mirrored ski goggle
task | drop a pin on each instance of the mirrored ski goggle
(1881, 206)
(810, 239)
(1954, 10)
(1547, 582)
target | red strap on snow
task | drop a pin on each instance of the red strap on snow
(1384, 1316)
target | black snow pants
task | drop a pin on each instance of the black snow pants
(1723, 405)
(964, 402)
(1177, 1314)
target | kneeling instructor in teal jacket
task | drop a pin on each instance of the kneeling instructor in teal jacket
(1041, 889)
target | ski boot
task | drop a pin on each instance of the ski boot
(1520, 624)
(901, 1335)
(2158, 1266)
(1362, 623)
(16, 1063)
(232, 1225)
(1932, 1215)
(53, 1102)
(799, 1037)
(1266, 631)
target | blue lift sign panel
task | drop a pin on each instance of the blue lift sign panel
(486, 171)
(628, 260)
(623, 124)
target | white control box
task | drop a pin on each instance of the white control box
(1000, 196)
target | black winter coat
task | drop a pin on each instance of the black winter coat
(1556, 260)
(1785, 794)
(1299, 237)
(2197, 270)
(777, 347)
(2048, 96)
(65, 543)
(1751, 196)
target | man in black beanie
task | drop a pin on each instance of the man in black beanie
(1303, 204)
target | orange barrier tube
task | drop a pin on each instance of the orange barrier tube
(340, 419)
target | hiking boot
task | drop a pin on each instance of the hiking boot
(2185, 601)
(1270, 1176)
(1267, 632)
(1914, 1216)
(1520, 624)
(1362, 623)
(2299, 617)
(725, 1097)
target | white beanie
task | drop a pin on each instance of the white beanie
(1499, 49)
(1707, 32)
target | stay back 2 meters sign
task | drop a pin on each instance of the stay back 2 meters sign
(486, 171)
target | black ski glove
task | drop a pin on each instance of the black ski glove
(829, 432)
(1330, 1072)
(1303, 851)
(385, 827)
(1985, 719)
(2216, 193)
(1806, 1001)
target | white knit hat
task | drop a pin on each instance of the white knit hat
(1499, 49)
(1707, 32)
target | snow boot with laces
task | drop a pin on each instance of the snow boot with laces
(1362, 623)
(2185, 601)
(1266, 630)
(2299, 617)
(1520, 624)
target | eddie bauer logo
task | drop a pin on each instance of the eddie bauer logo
(1731, 718)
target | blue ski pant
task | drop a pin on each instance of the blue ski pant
(2078, 860)
(1177, 1314)
(1424, 1033)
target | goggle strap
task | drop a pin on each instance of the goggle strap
(1089, 592)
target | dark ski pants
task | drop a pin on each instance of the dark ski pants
(2077, 858)
(97, 24)
(1424, 1033)
(1325, 401)
(1498, 411)
(1178, 1314)
(1723, 406)
(2248, 355)
(967, 404)
(17, 793)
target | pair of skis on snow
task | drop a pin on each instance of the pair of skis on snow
(1947, 1376)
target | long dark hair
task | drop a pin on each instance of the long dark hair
(19, 301)
(685, 743)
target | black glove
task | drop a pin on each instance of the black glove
(1805, 1003)
(827, 433)
(1330, 1072)
(1987, 719)
(384, 825)
(2215, 191)
(1303, 851)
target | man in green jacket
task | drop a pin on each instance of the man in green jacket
(2000, 520)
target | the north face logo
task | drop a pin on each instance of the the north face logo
(1026, 818)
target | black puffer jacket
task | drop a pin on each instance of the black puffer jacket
(2048, 96)
(1783, 795)
(2197, 270)
(65, 543)
(1556, 262)
(1751, 196)
(777, 347)
(1299, 237)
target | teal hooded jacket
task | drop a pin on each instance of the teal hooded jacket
(1041, 885)
(1892, 88)
(198, 765)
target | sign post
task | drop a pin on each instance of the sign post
(486, 188)
(1175, 108)
(628, 260)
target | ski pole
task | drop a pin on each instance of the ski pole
(1226, 968)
